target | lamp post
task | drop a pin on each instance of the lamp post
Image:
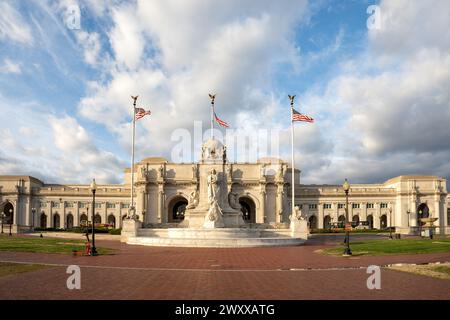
(93, 189)
(2, 217)
(10, 221)
(33, 213)
(347, 251)
(408, 212)
(390, 221)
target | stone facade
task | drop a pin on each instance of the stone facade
(261, 190)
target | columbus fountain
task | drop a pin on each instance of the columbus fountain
(213, 217)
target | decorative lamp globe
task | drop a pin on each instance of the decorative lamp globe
(346, 185)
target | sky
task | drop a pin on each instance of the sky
(375, 76)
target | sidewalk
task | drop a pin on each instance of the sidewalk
(74, 235)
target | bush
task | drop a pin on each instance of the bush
(89, 230)
(115, 231)
(49, 229)
(340, 230)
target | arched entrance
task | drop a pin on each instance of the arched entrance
(383, 221)
(312, 222)
(248, 209)
(355, 220)
(422, 212)
(370, 221)
(69, 221)
(97, 219)
(341, 221)
(112, 220)
(327, 222)
(56, 221)
(8, 210)
(43, 219)
(83, 220)
(176, 209)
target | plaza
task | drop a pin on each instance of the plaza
(294, 272)
(258, 196)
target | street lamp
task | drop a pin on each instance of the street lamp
(2, 217)
(408, 212)
(390, 221)
(10, 221)
(347, 251)
(93, 189)
(33, 213)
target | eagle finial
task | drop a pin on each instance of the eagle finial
(291, 98)
(212, 96)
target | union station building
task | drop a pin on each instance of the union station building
(163, 189)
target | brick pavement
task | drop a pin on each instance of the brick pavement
(136, 272)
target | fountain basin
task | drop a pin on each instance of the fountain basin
(214, 238)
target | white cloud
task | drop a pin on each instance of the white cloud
(10, 66)
(91, 46)
(391, 104)
(173, 54)
(126, 37)
(13, 26)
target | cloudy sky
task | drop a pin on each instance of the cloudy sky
(376, 82)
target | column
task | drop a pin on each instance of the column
(377, 215)
(28, 213)
(364, 212)
(76, 215)
(335, 216)
(279, 203)
(161, 216)
(16, 211)
(320, 217)
(262, 207)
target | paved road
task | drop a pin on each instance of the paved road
(135, 272)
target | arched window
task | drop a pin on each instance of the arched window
(83, 220)
(43, 219)
(312, 222)
(248, 209)
(341, 221)
(355, 220)
(112, 220)
(383, 222)
(69, 221)
(370, 221)
(327, 222)
(56, 221)
(8, 210)
(422, 212)
(177, 208)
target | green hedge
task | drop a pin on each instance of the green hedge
(336, 230)
(115, 231)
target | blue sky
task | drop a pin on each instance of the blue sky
(64, 91)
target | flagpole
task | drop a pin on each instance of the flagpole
(132, 158)
(292, 155)
(213, 97)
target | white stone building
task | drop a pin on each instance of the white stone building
(162, 191)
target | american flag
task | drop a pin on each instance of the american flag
(140, 113)
(297, 116)
(220, 122)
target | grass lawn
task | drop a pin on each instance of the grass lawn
(388, 247)
(441, 271)
(43, 245)
(7, 268)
